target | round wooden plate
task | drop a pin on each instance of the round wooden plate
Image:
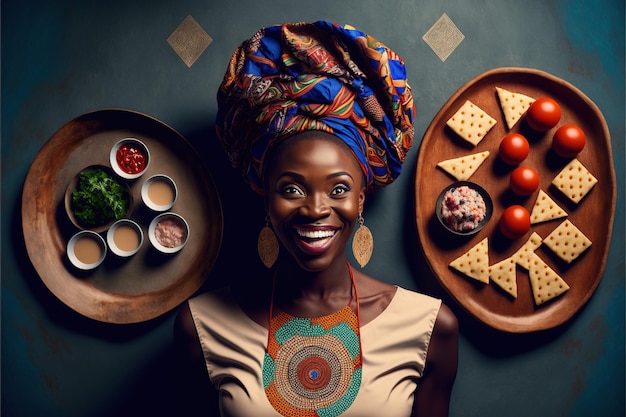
(593, 215)
(148, 284)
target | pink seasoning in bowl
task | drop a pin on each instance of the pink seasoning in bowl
(463, 208)
(170, 232)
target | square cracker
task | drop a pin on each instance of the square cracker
(574, 181)
(567, 241)
(471, 122)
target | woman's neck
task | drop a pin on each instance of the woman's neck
(294, 283)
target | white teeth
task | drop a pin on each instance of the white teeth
(316, 234)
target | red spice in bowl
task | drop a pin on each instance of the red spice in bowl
(129, 158)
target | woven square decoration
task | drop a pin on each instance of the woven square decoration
(443, 37)
(189, 40)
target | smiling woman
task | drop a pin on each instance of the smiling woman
(315, 193)
(317, 116)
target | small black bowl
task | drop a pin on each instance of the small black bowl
(486, 198)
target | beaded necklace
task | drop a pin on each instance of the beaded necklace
(312, 366)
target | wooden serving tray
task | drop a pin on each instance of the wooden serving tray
(148, 284)
(593, 215)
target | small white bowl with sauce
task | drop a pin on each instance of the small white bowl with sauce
(129, 158)
(125, 238)
(159, 192)
(86, 250)
(168, 232)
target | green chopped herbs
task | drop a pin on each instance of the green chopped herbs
(99, 198)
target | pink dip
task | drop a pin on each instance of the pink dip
(463, 208)
(170, 233)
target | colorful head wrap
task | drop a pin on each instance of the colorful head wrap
(298, 77)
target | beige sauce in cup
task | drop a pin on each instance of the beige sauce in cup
(161, 193)
(126, 237)
(87, 250)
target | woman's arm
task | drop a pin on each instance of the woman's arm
(194, 389)
(432, 397)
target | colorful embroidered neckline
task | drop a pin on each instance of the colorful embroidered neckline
(312, 366)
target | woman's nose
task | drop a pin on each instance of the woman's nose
(315, 206)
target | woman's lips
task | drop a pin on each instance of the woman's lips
(315, 241)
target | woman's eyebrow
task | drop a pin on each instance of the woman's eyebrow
(300, 176)
(339, 174)
(291, 174)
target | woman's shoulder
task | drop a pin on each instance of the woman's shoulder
(446, 329)
(445, 321)
(217, 294)
(374, 288)
(210, 299)
(233, 303)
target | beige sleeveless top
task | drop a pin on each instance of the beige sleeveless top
(394, 354)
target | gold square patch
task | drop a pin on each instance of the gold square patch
(443, 37)
(189, 40)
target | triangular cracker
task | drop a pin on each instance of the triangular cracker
(545, 209)
(513, 105)
(567, 241)
(475, 262)
(574, 180)
(504, 274)
(544, 281)
(471, 123)
(462, 168)
(525, 253)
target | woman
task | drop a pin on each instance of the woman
(317, 116)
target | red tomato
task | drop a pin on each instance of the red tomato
(524, 181)
(514, 148)
(543, 114)
(514, 222)
(568, 141)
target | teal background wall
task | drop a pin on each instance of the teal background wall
(63, 58)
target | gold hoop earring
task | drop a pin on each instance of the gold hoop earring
(267, 245)
(362, 243)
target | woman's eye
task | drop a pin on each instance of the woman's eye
(291, 189)
(340, 189)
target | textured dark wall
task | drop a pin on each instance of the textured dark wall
(64, 58)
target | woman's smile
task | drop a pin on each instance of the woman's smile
(315, 241)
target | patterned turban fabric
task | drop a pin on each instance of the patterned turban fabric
(298, 77)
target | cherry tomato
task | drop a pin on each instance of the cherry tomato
(524, 181)
(568, 141)
(514, 148)
(514, 222)
(543, 114)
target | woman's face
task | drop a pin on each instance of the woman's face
(315, 193)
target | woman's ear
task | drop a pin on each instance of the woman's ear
(361, 200)
(266, 204)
